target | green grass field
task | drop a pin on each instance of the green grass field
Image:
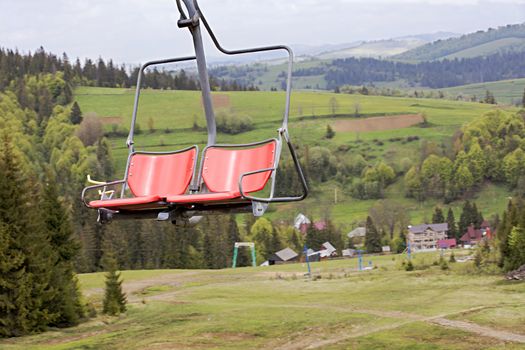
(278, 308)
(310, 113)
(505, 91)
(490, 48)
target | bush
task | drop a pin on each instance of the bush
(409, 266)
(233, 124)
(330, 133)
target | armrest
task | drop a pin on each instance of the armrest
(268, 199)
(90, 188)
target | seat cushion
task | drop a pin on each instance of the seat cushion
(125, 202)
(203, 197)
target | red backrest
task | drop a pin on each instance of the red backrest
(222, 167)
(161, 174)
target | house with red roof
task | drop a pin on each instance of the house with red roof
(318, 225)
(447, 243)
(473, 236)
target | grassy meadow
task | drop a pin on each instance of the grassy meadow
(505, 91)
(174, 112)
(277, 307)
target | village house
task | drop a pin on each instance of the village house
(327, 250)
(447, 243)
(473, 236)
(427, 236)
(283, 256)
(357, 232)
(301, 223)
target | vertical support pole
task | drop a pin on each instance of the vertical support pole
(409, 250)
(305, 251)
(360, 259)
(254, 260)
(235, 251)
(204, 79)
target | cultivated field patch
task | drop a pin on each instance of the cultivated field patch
(111, 120)
(378, 123)
(221, 101)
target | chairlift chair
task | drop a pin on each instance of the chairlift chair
(168, 185)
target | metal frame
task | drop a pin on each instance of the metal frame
(236, 247)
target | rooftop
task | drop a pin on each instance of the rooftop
(443, 227)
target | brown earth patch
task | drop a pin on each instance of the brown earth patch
(111, 120)
(221, 100)
(378, 123)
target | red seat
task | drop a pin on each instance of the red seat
(203, 197)
(222, 168)
(152, 177)
(125, 202)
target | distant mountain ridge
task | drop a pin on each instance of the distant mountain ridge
(378, 48)
(382, 48)
(481, 43)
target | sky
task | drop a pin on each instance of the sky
(134, 31)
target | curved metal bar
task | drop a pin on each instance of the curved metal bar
(252, 50)
(273, 199)
(89, 188)
(129, 141)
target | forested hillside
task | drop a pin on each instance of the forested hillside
(53, 141)
(442, 48)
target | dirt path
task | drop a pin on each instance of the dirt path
(313, 342)
(378, 123)
(481, 330)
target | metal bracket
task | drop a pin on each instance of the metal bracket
(105, 216)
(259, 208)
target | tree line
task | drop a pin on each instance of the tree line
(433, 74)
(488, 148)
(14, 66)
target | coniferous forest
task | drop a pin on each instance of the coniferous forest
(433, 74)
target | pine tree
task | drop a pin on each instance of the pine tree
(14, 286)
(465, 219)
(451, 221)
(114, 298)
(516, 243)
(372, 237)
(66, 302)
(476, 216)
(75, 117)
(28, 294)
(437, 217)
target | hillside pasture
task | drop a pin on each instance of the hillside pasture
(174, 112)
(505, 91)
(277, 307)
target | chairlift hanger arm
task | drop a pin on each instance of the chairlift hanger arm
(194, 21)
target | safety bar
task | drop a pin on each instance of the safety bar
(272, 199)
(94, 187)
